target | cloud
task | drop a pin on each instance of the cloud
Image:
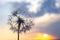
(57, 3)
(2, 1)
(48, 6)
(35, 5)
(48, 23)
(38, 7)
(46, 18)
(52, 8)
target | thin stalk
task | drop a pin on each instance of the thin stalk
(18, 30)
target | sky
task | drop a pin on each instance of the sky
(45, 14)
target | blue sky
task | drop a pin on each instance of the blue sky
(46, 14)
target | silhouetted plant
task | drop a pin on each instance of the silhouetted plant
(19, 24)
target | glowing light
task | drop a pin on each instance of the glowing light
(45, 35)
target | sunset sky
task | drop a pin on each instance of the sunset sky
(46, 19)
